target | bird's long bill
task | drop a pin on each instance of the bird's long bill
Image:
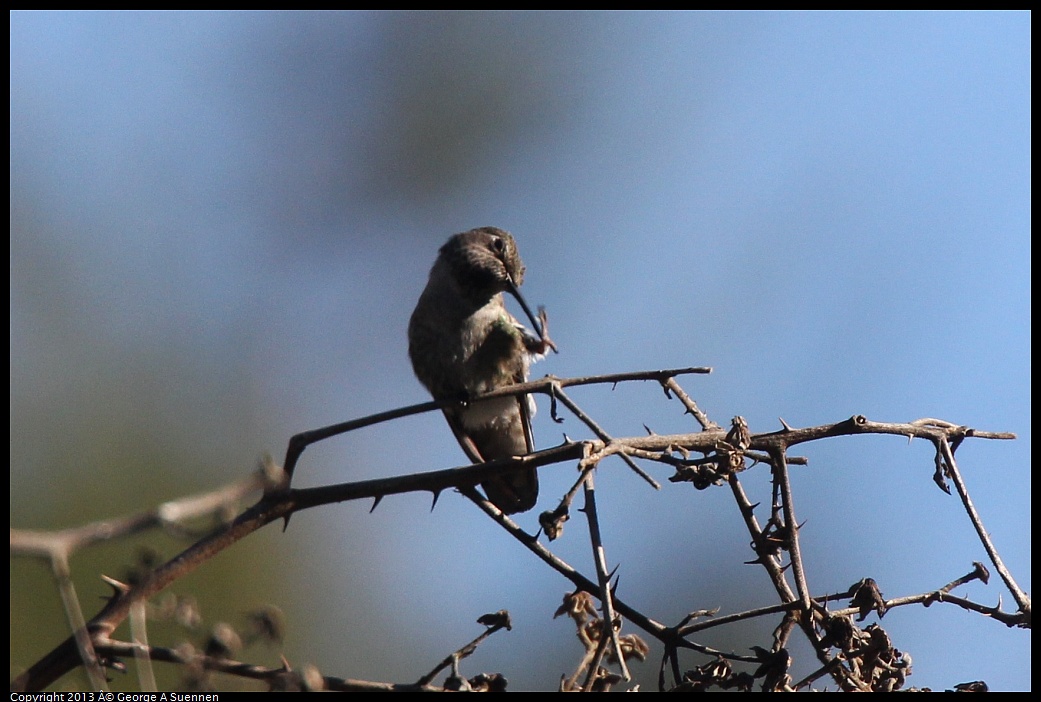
(535, 323)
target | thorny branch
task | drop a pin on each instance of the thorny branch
(282, 678)
(866, 660)
(603, 581)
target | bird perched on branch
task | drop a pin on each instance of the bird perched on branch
(463, 342)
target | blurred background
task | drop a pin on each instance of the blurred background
(220, 223)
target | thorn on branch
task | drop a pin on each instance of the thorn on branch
(118, 588)
(773, 539)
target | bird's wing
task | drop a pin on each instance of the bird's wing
(525, 402)
(469, 448)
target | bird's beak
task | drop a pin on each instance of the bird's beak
(513, 290)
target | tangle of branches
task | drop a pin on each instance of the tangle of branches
(851, 655)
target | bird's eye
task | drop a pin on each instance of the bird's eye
(498, 244)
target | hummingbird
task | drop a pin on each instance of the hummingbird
(463, 342)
